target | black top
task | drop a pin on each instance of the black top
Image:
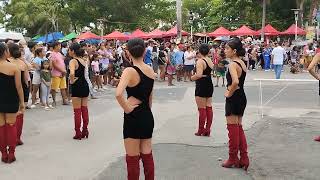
(143, 89)
(80, 87)
(206, 72)
(242, 78)
(79, 73)
(8, 94)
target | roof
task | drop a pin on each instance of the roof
(116, 35)
(138, 34)
(11, 35)
(221, 31)
(244, 31)
(292, 30)
(173, 32)
(88, 35)
(157, 33)
(270, 31)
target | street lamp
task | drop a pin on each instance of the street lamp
(318, 23)
(296, 18)
(191, 18)
(100, 25)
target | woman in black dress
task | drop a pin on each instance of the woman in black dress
(236, 102)
(204, 91)
(12, 102)
(16, 58)
(162, 60)
(80, 91)
(138, 124)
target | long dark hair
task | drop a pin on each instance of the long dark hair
(14, 50)
(3, 49)
(236, 44)
(136, 47)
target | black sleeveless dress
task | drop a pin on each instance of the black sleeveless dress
(9, 102)
(80, 87)
(26, 90)
(139, 123)
(204, 86)
(236, 104)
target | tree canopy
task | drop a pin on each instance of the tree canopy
(41, 16)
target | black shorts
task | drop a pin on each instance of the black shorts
(236, 104)
(188, 68)
(139, 123)
(80, 88)
(204, 87)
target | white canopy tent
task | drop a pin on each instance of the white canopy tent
(11, 35)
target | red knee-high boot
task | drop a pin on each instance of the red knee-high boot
(19, 125)
(3, 144)
(148, 165)
(202, 120)
(133, 167)
(85, 118)
(11, 136)
(207, 130)
(244, 159)
(233, 134)
(77, 123)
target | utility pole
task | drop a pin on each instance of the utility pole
(179, 18)
(318, 25)
(296, 18)
(264, 7)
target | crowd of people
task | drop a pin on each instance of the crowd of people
(46, 66)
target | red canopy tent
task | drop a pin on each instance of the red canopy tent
(173, 32)
(244, 31)
(116, 35)
(221, 31)
(88, 35)
(200, 34)
(157, 33)
(292, 31)
(270, 31)
(138, 34)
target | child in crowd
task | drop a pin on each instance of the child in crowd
(221, 68)
(97, 77)
(45, 76)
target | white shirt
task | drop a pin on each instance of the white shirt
(189, 58)
(28, 55)
(278, 55)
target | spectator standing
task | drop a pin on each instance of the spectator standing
(277, 58)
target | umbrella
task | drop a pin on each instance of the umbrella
(36, 37)
(69, 37)
(50, 37)
(221, 31)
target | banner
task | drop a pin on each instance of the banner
(311, 32)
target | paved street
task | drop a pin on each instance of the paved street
(281, 144)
